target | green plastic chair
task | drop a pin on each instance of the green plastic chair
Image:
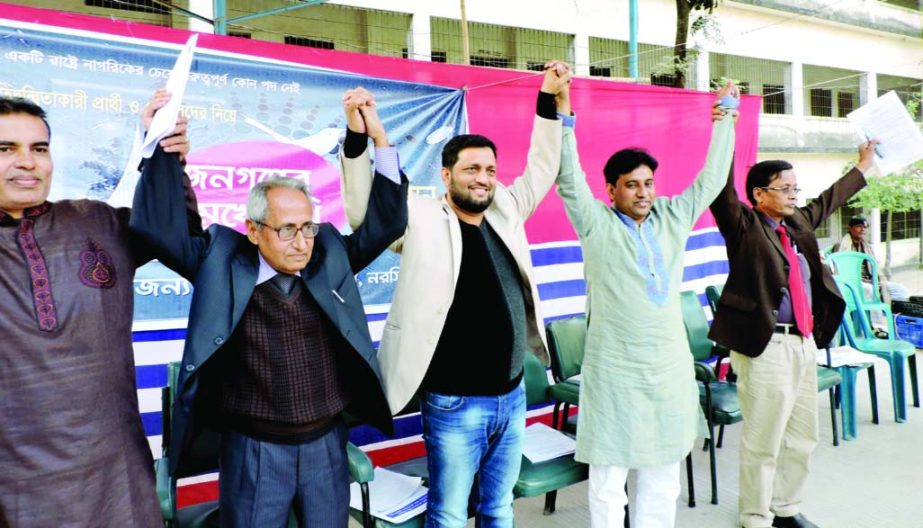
(566, 341)
(713, 293)
(549, 476)
(860, 336)
(848, 266)
(718, 398)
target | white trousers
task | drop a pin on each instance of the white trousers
(655, 500)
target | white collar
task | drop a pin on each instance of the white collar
(266, 271)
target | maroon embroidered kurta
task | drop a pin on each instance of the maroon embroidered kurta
(72, 448)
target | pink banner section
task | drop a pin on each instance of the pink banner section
(674, 125)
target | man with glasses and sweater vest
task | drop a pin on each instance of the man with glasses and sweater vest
(779, 304)
(277, 345)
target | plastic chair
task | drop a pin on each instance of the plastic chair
(566, 340)
(846, 392)
(848, 266)
(718, 398)
(860, 336)
(362, 471)
(712, 293)
(549, 476)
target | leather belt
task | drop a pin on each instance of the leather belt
(788, 329)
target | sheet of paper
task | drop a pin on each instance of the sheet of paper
(165, 119)
(887, 120)
(543, 443)
(393, 496)
(845, 355)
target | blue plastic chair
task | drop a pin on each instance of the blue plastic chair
(859, 335)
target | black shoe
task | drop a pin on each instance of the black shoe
(795, 521)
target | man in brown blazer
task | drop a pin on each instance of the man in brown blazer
(779, 304)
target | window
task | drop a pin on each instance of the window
(596, 71)
(906, 225)
(845, 103)
(773, 99)
(438, 56)
(143, 6)
(755, 76)
(821, 102)
(308, 42)
(833, 91)
(493, 62)
(663, 79)
(499, 46)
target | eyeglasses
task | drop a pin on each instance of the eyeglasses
(287, 233)
(783, 190)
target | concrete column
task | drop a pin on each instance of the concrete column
(581, 53)
(420, 42)
(875, 235)
(795, 103)
(868, 87)
(702, 70)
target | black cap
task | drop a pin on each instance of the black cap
(858, 220)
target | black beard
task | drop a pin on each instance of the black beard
(468, 204)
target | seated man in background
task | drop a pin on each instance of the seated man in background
(855, 241)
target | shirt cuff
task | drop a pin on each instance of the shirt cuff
(568, 120)
(545, 106)
(387, 163)
(354, 144)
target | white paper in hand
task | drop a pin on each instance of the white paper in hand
(887, 120)
(165, 119)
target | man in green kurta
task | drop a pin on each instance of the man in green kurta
(639, 403)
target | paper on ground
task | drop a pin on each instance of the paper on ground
(887, 120)
(543, 443)
(165, 118)
(845, 355)
(393, 496)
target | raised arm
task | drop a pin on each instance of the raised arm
(843, 189)
(708, 183)
(356, 176)
(582, 208)
(164, 217)
(544, 157)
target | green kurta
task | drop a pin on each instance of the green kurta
(639, 403)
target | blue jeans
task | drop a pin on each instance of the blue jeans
(468, 436)
(261, 482)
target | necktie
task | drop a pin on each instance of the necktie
(284, 282)
(804, 319)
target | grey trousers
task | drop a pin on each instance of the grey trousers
(261, 482)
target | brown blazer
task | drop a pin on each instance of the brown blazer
(749, 304)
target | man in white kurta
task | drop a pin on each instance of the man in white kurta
(639, 403)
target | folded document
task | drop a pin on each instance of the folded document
(393, 497)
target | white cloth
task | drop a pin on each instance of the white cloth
(655, 500)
